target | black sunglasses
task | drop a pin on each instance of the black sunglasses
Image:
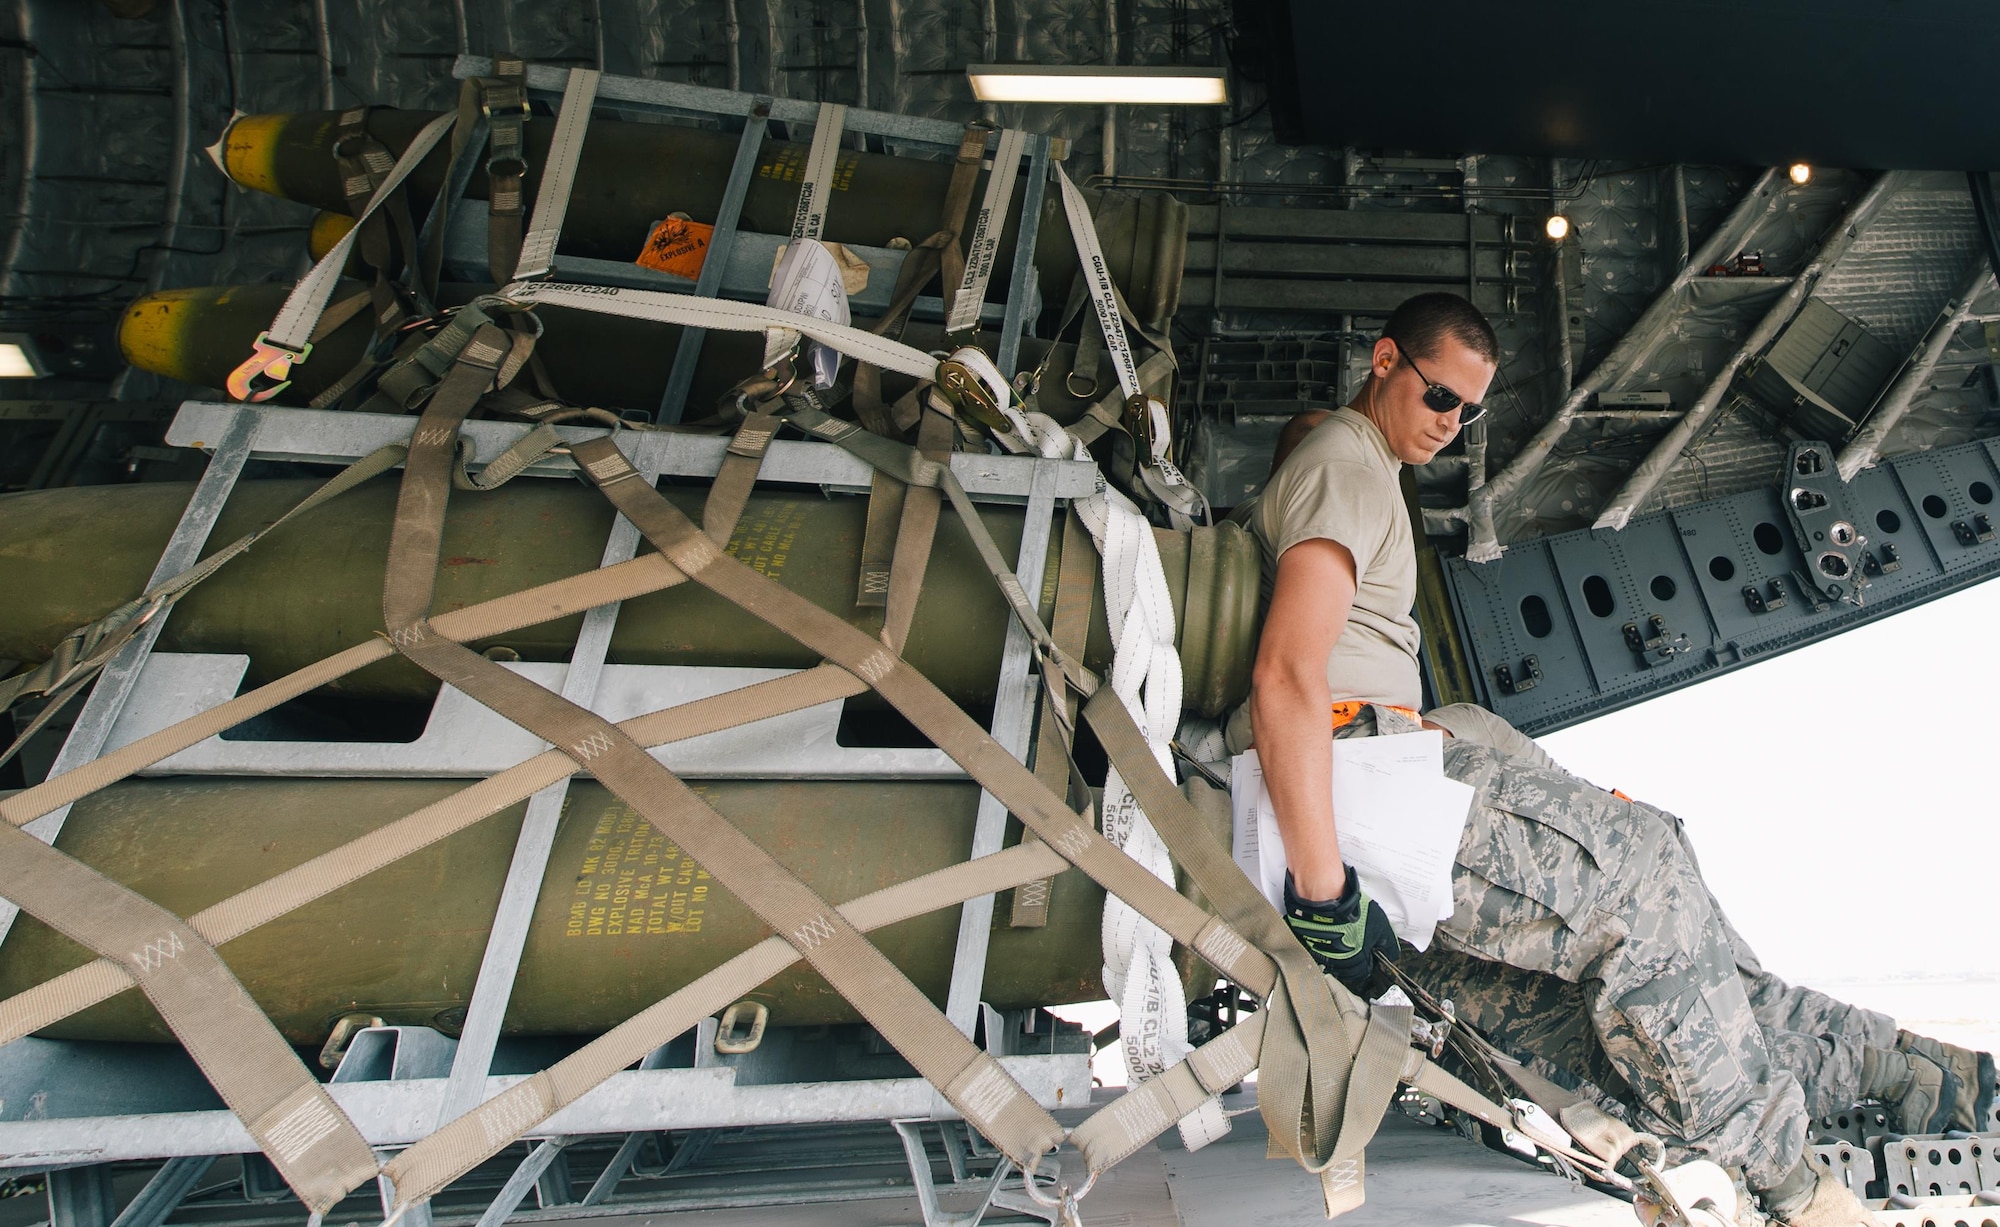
(1439, 398)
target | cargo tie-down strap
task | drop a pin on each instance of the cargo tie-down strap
(1327, 1133)
(1105, 1139)
(1329, 1062)
(86, 650)
(937, 254)
(1303, 1018)
(538, 250)
(983, 247)
(1145, 416)
(288, 340)
(364, 163)
(503, 99)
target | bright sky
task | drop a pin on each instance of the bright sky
(1844, 798)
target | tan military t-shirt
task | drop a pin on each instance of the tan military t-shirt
(1343, 484)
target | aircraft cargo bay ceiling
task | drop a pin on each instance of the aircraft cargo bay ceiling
(1750, 335)
(1696, 319)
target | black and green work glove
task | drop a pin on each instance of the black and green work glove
(1349, 937)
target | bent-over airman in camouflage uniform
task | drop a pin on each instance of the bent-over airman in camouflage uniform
(1561, 878)
(1817, 1038)
(1578, 904)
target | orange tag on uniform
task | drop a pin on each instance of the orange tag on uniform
(676, 246)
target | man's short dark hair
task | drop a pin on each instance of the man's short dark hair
(1423, 323)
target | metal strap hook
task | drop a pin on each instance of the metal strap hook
(267, 371)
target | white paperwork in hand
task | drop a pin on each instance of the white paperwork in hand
(1398, 816)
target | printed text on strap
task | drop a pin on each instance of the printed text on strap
(809, 219)
(987, 226)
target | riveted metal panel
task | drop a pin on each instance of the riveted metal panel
(1750, 535)
(1888, 521)
(1629, 577)
(1725, 541)
(1946, 488)
(1495, 607)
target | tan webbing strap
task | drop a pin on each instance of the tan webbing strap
(867, 398)
(363, 165)
(427, 1167)
(1432, 1079)
(317, 1149)
(1108, 413)
(505, 99)
(1076, 592)
(558, 175)
(418, 529)
(508, 465)
(878, 538)
(969, 1078)
(54, 1000)
(1385, 1042)
(730, 493)
(1089, 348)
(901, 461)
(337, 314)
(431, 261)
(937, 253)
(1606, 1139)
(87, 649)
(1311, 1005)
(918, 528)
(1116, 1131)
(905, 464)
(958, 199)
(940, 252)
(907, 690)
(1119, 1129)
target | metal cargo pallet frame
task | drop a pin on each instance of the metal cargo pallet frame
(398, 1083)
(668, 101)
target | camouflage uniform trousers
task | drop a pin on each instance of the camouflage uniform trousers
(1560, 878)
(1818, 1038)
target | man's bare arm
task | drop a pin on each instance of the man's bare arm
(1290, 706)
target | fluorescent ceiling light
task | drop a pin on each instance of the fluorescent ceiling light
(1098, 84)
(19, 358)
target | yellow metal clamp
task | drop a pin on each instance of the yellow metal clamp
(267, 371)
